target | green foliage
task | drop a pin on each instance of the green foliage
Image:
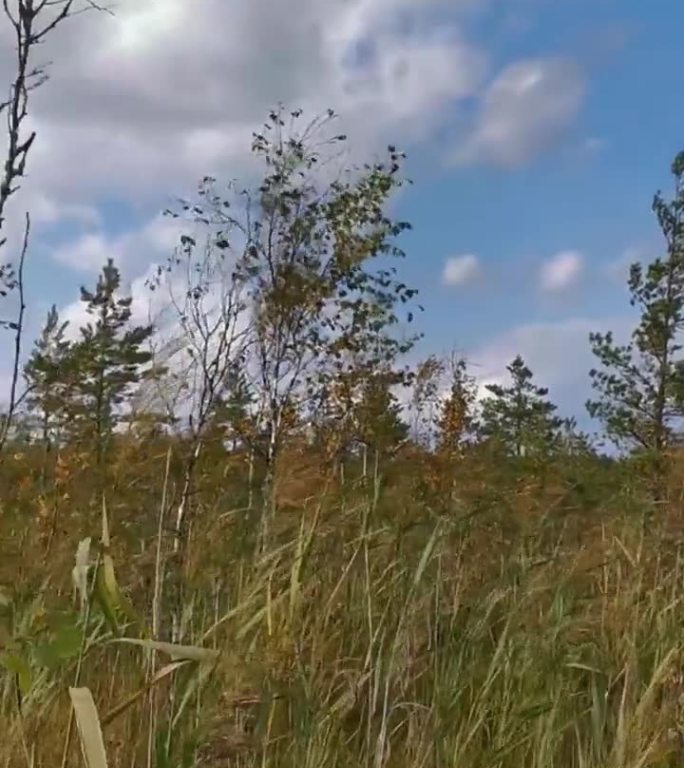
(639, 385)
(110, 358)
(317, 268)
(519, 417)
(457, 421)
(431, 612)
(379, 425)
(49, 377)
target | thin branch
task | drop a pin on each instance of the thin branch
(30, 29)
(18, 327)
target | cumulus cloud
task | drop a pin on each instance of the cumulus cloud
(153, 241)
(167, 90)
(526, 109)
(142, 103)
(561, 272)
(461, 270)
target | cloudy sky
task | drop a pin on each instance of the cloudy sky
(537, 133)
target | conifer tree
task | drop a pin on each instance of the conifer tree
(110, 358)
(520, 417)
(378, 415)
(49, 375)
(639, 385)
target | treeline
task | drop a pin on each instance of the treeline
(282, 314)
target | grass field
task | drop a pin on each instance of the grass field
(378, 629)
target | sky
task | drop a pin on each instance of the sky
(537, 132)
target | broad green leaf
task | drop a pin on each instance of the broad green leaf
(89, 730)
(18, 666)
(64, 645)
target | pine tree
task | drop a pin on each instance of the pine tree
(379, 426)
(520, 417)
(640, 384)
(110, 358)
(49, 377)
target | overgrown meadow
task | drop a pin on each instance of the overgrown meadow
(254, 523)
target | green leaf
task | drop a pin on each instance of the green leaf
(114, 605)
(64, 645)
(18, 666)
(106, 599)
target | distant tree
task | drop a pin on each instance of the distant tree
(305, 247)
(639, 385)
(456, 422)
(519, 417)
(110, 358)
(575, 441)
(49, 377)
(379, 424)
(425, 400)
(234, 412)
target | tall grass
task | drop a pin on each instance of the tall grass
(367, 636)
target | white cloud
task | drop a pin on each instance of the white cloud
(47, 211)
(89, 252)
(561, 272)
(167, 90)
(461, 270)
(525, 110)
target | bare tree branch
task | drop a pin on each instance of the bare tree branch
(18, 328)
(32, 23)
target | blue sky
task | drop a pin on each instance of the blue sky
(537, 132)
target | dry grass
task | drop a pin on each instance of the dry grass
(376, 632)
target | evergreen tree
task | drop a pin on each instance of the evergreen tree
(49, 377)
(520, 417)
(640, 384)
(110, 358)
(379, 425)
